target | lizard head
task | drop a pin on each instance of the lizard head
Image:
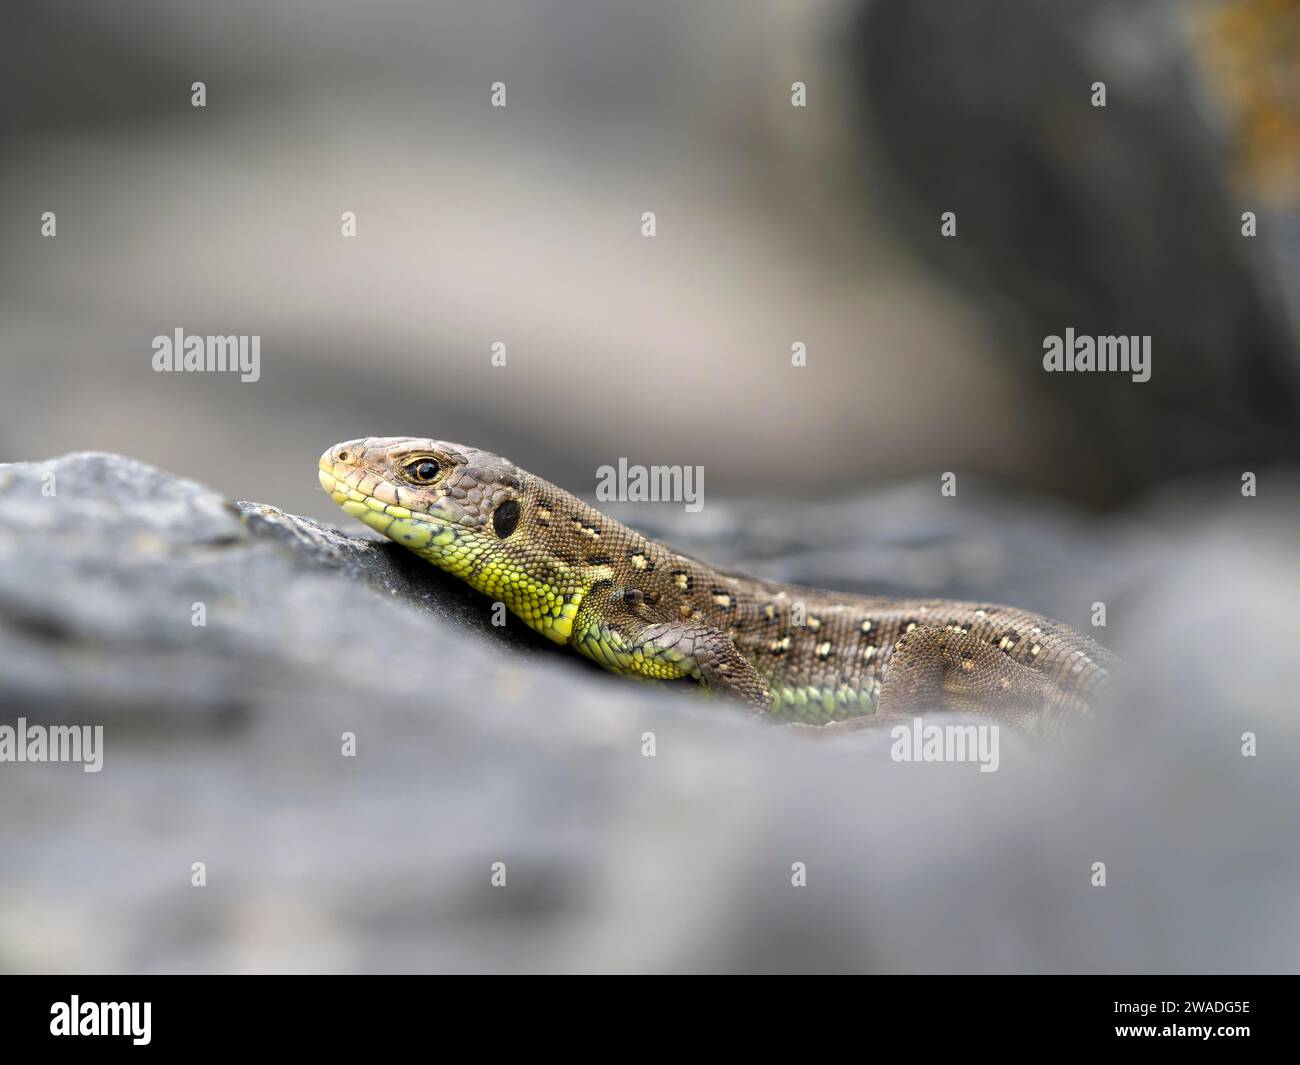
(464, 510)
(417, 491)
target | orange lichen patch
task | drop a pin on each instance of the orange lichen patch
(1250, 51)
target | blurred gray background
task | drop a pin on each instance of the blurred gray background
(775, 225)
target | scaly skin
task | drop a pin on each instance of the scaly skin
(637, 607)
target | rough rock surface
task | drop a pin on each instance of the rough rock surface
(477, 745)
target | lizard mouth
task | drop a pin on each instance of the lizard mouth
(374, 512)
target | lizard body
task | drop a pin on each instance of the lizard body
(637, 607)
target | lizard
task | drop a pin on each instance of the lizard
(638, 607)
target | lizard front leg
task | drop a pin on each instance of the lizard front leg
(611, 630)
(710, 657)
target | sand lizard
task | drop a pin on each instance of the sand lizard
(636, 606)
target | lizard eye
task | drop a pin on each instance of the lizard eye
(505, 518)
(423, 471)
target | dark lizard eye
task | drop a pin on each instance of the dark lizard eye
(423, 471)
(505, 518)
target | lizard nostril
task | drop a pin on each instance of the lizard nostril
(343, 456)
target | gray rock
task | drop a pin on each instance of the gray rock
(476, 745)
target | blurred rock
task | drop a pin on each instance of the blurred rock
(477, 745)
(1109, 220)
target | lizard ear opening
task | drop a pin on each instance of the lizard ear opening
(505, 518)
